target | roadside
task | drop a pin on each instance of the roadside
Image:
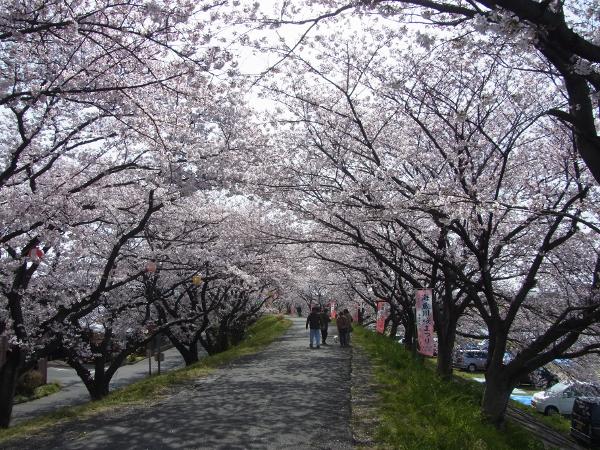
(73, 391)
(285, 397)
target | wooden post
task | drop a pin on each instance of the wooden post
(42, 367)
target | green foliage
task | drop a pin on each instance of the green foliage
(419, 410)
(39, 392)
(259, 335)
(133, 358)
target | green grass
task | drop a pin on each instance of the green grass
(132, 359)
(418, 410)
(261, 334)
(557, 422)
(39, 392)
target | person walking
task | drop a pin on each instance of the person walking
(314, 321)
(299, 310)
(343, 326)
(349, 329)
(324, 324)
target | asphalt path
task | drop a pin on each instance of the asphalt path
(288, 396)
(73, 391)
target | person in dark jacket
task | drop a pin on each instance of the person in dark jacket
(314, 321)
(343, 326)
(324, 324)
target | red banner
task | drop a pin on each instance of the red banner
(355, 315)
(424, 305)
(381, 316)
(332, 309)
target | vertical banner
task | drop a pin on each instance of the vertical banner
(425, 321)
(381, 316)
(332, 309)
(355, 315)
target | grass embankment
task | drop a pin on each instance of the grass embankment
(261, 334)
(420, 411)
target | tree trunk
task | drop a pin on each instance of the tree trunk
(189, 354)
(394, 328)
(98, 389)
(446, 333)
(222, 341)
(8, 382)
(97, 386)
(410, 341)
(207, 344)
(495, 397)
(236, 334)
(445, 356)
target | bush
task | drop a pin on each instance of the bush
(27, 383)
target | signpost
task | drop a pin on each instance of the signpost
(158, 357)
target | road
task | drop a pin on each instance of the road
(286, 397)
(73, 390)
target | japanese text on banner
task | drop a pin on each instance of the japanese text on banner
(424, 318)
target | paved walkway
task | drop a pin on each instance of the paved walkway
(285, 397)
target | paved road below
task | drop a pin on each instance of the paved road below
(74, 392)
(288, 396)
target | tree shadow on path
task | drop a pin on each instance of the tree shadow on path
(287, 396)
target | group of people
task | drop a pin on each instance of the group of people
(318, 322)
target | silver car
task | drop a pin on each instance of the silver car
(471, 360)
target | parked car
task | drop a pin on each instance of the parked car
(561, 397)
(585, 420)
(470, 360)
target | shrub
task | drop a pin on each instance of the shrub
(27, 382)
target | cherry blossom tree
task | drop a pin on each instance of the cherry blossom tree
(565, 33)
(447, 158)
(91, 98)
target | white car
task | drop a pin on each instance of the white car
(560, 397)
